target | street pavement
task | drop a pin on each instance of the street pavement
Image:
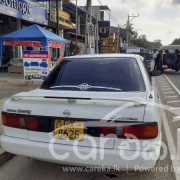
(11, 84)
(21, 168)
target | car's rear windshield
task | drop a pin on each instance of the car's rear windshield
(96, 74)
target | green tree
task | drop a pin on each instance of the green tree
(176, 42)
(140, 42)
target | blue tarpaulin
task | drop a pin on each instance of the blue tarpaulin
(31, 33)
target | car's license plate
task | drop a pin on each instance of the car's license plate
(69, 130)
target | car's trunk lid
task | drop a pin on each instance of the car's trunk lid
(83, 106)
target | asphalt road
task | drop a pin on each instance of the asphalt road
(23, 168)
(174, 77)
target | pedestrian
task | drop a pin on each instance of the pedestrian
(157, 60)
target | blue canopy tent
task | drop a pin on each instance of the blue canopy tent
(31, 33)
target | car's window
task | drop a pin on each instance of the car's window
(97, 74)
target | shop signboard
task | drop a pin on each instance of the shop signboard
(64, 17)
(24, 9)
(36, 65)
(109, 44)
(104, 29)
(23, 43)
(133, 50)
(33, 44)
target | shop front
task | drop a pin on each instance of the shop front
(65, 22)
(16, 14)
(35, 41)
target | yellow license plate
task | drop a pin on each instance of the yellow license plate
(69, 130)
(164, 66)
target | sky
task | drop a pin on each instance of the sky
(158, 19)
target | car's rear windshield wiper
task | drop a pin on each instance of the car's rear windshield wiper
(84, 87)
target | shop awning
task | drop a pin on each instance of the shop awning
(31, 34)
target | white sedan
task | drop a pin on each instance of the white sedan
(92, 110)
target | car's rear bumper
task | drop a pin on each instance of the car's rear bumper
(112, 159)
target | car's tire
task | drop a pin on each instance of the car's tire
(170, 59)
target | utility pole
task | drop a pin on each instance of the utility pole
(130, 18)
(127, 33)
(118, 41)
(88, 21)
(57, 17)
(57, 25)
(76, 28)
(97, 34)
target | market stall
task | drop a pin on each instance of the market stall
(33, 37)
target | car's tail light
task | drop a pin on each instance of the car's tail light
(11, 120)
(20, 121)
(31, 124)
(141, 131)
(104, 130)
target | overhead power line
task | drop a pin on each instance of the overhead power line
(111, 16)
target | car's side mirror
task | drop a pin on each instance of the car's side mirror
(156, 72)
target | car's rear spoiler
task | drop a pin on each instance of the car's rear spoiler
(136, 102)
